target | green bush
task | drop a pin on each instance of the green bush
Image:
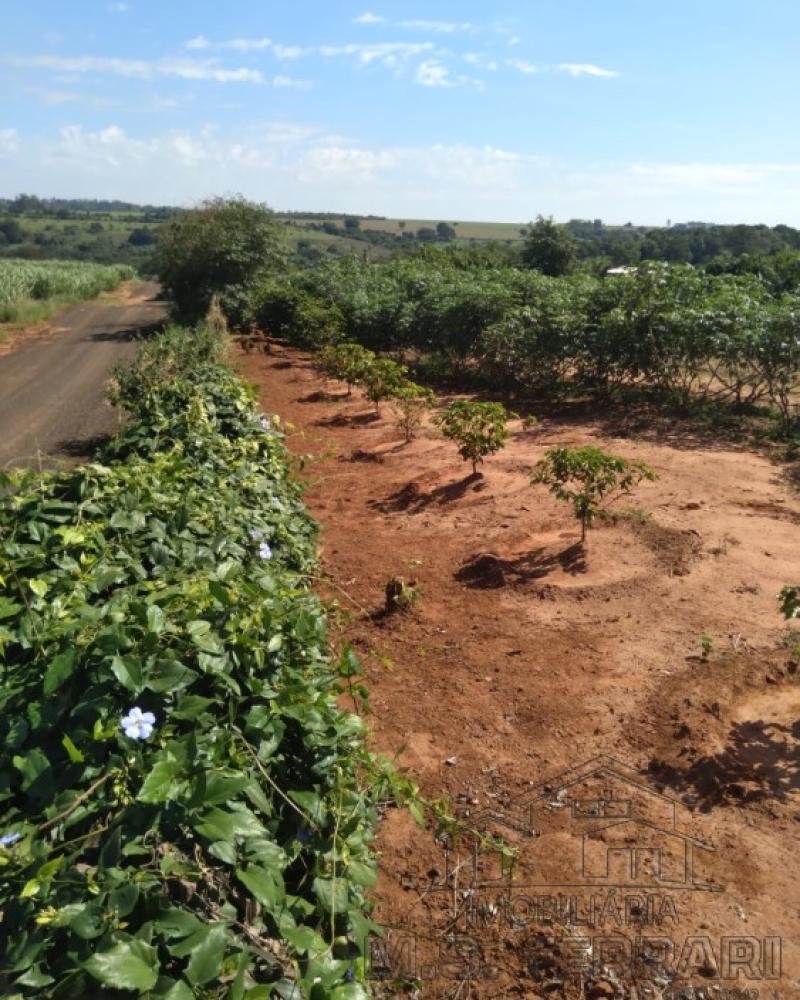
(284, 309)
(585, 477)
(479, 429)
(347, 362)
(411, 402)
(218, 846)
(226, 247)
(382, 379)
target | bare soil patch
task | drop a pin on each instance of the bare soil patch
(526, 657)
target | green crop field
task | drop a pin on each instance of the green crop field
(30, 290)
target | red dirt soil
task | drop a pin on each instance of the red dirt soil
(525, 657)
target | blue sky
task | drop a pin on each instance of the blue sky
(627, 110)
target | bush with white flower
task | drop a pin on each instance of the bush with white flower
(183, 811)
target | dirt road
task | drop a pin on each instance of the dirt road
(52, 406)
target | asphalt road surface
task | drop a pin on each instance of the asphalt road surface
(52, 406)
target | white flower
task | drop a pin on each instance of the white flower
(256, 533)
(10, 838)
(265, 424)
(264, 551)
(138, 725)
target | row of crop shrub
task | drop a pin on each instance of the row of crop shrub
(676, 330)
(183, 804)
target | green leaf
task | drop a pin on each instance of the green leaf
(128, 672)
(85, 919)
(124, 898)
(206, 959)
(156, 619)
(45, 872)
(225, 851)
(169, 675)
(39, 587)
(223, 788)
(30, 889)
(304, 939)
(215, 825)
(58, 670)
(349, 991)
(73, 752)
(8, 609)
(36, 977)
(265, 885)
(190, 706)
(32, 766)
(160, 784)
(130, 965)
(198, 628)
(180, 991)
(361, 874)
(332, 894)
(176, 923)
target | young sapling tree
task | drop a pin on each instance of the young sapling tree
(479, 429)
(411, 402)
(586, 477)
(383, 379)
(346, 362)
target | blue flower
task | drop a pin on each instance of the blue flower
(264, 551)
(349, 976)
(10, 838)
(138, 725)
(256, 534)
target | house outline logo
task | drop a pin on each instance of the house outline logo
(631, 836)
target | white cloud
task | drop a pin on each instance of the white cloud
(289, 51)
(433, 74)
(136, 68)
(514, 40)
(119, 8)
(57, 98)
(586, 69)
(192, 69)
(523, 66)
(572, 69)
(54, 98)
(291, 83)
(248, 44)
(481, 61)
(387, 53)
(442, 27)
(184, 69)
(417, 24)
(297, 165)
